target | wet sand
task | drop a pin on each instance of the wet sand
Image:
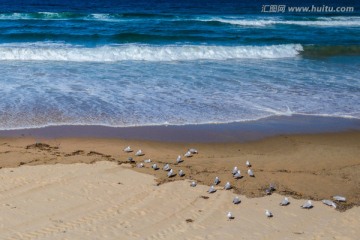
(204, 133)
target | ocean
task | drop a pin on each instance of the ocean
(139, 63)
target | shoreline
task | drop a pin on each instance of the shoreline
(202, 133)
(305, 166)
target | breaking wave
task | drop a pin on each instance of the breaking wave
(133, 52)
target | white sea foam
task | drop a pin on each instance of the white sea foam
(243, 22)
(100, 16)
(340, 21)
(14, 16)
(103, 17)
(37, 16)
(63, 52)
(320, 22)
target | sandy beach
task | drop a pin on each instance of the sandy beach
(108, 201)
(69, 187)
(225, 101)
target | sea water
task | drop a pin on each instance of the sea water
(134, 63)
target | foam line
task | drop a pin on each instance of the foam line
(63, 52)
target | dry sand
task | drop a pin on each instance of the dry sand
(108, 201)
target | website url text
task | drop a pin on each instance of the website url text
(312, 9)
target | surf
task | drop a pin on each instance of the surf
(137, 52)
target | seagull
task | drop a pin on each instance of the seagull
(179, 160)
(166, 167)
(236, 200)
(170, 173)
(154, 166)
(139, 153)
(211, 189)
(329, 203)
(147, 161)
(268, 213)
(285, 202)
(339, 198)
(140, 165)
(272, 187)
(227, 186)
(193, 184)
(307, 204)
(230, 216)
(268, 191)
(237, 175)
(128, 149)
(188, 154)
(131, 159)
(193, 151)
(251, 173)
(248, 164)
(216, 181)
(181, 173)
(234, 170)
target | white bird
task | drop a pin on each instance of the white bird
(236, 200)
(188, 154)
(235, 169)
(227, 186)
(140, 165)
(251, 173)
(268, 213)
(272, 187)
(154, 166)
(181, 173)
(179, 160)
(170, 173)
(147, 161)
(248, 164)
(166, 167)
(139, 153)
(216, 181)
(339, 198)
(285, 202)
(128, 149)
(211, 189)
(267, 191)
(230, 216)
(193, 151)
(307, 204)
(329, 203)
(193, 184)
(237, 175)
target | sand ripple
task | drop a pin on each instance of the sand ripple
(108, 201)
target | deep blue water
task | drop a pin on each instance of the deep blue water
(122, 63)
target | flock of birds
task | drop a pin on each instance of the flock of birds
(236, 173)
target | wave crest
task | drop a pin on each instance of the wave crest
(320, 22)
(64, 52)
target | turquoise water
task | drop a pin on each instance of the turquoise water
(117, 63)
